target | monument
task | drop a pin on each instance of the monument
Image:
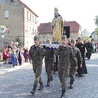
(57, 26)
(58, 30)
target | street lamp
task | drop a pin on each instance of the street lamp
(2, 40)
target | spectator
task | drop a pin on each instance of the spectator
(5, 56)
(26, 54)
(14, 58)
(9, 56)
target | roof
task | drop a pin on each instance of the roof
(45, 28)
(74, 26)
(27, 8)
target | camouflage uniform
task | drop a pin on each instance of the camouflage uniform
(78, 57)
(49, 60)
(36, 54)
(65, 57)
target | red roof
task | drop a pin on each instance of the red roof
(28, 8)
(74, 26)
(45, 28)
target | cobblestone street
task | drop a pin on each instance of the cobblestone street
(18, 83)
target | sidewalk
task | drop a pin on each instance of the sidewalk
(5, 68)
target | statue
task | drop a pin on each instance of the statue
(57, 26)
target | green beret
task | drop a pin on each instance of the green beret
(79, 37)
(64, 37)
(72, 41)
(36, 37)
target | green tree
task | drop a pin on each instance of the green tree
(19, 41)
(96, 30)
(96, 23)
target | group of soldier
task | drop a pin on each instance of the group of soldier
(71, 59)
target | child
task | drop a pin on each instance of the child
(5, 56)
(14, 58)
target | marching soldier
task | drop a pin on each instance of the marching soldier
(36, 54)
(66, 55)
(49, 60)
(78, 57)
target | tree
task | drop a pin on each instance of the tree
(96, 23)
(96, 30)
(19, 41)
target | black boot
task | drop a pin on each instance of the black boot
(71, 83)
(33, 91)
(70, 87)
(48, 84)
(41, 86)
(63, 94)
(51, 79)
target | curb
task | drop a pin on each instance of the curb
(4, 71)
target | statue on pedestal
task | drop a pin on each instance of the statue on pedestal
(57, 26)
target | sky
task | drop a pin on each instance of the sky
(81, 11)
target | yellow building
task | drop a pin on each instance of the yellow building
(21, 21)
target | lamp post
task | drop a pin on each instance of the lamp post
(2, 40)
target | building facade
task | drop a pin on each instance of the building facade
(72, 30)
(21, 21)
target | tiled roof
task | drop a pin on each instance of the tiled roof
(28, 8)
(74, 26)
(45, 28)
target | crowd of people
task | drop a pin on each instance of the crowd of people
(14, 54)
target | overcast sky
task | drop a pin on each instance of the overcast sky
(82, 11)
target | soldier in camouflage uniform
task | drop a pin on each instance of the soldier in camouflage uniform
(65, 53)
(78, 57)
(49, 60)
(36, 54)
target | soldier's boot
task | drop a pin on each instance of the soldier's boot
(51, 79)
(63, 94)
(71, 83)
(48, 82)
(33, 90)
(41, 86)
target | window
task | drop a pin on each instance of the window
(33, 31)
(2, 1)
(6, 14)
(35, 20)
(30, 17)
(27, 14)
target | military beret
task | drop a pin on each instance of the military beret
(79, 37)
(72, 41)
(64, 37)
(36, 37)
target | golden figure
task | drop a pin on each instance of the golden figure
(57, 26)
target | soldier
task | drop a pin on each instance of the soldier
(65, 53)
(36, 54)
(81, 70)
(49, 60)
(78, 57)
